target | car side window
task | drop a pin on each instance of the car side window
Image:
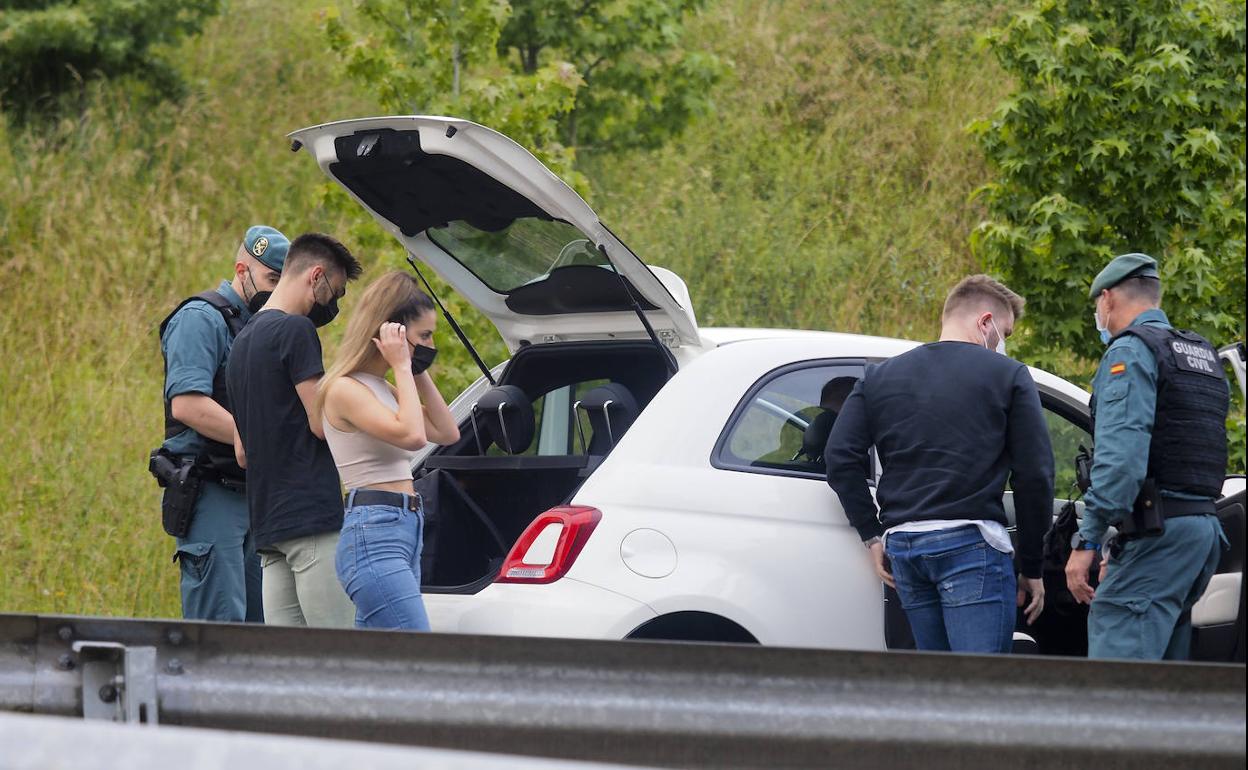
(782, 425)
(1066, 434)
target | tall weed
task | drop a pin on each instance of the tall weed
(106, 221)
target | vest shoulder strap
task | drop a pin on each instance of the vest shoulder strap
(1151, 335)
(233, 317)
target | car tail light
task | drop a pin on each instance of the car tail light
(568, 526)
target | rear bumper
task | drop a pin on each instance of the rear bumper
(565, 608)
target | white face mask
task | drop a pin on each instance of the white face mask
(1000, 337)
(1102, 327)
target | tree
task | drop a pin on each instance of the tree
(639, 86)
(550, 74)
(48, 48)
(1125, 133)
(441, 57)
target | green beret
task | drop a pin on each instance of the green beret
(267, 245)
(1122, 267)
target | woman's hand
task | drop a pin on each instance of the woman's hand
(391, 342)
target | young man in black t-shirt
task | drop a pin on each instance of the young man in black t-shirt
(293, 493)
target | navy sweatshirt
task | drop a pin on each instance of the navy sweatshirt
(952, 422)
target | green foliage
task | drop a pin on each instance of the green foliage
(1125, 133)
(48, 48)
(107, 220)
(551, 74)
(832, 194)
(439, 57)
(641, 86)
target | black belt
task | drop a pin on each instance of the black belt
(1173, 508)
(378, 497)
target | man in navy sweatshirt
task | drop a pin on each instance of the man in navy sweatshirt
(952, 421)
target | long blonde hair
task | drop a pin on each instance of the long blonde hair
(395, 297)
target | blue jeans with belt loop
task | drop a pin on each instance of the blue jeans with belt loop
(378, 563)
(959, 593)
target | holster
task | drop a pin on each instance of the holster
(1148, 517)
(182, 482)
(1083, 469)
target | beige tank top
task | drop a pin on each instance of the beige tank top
(363, 460)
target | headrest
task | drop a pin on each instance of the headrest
(815, 437)
(612, 410)
(505, 416)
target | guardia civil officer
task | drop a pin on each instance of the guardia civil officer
(1159, 408)
(204, 504)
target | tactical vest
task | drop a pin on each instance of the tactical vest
(216, 456)
(1188, 450)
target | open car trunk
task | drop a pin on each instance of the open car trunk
(479, 496)
(507, 234)
(475, 511)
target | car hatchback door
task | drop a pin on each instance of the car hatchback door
(500, 228)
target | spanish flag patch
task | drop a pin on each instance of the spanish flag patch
(1117, 368)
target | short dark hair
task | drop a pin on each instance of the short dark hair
(320, 249)
(982, 288)
(837, 389)
(1144, 289)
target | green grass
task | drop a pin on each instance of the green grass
(107, 221)
(829, 192)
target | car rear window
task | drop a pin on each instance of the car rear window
(523, 252)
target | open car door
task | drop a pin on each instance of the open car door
(500, 228)
(1218, 618)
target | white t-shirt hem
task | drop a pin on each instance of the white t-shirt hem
(993, 532)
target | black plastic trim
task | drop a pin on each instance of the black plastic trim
(1064, 409)
(474, 587)
(575, 289)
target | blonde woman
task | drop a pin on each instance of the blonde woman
(373, 428)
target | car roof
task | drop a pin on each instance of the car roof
(838, 344)
(875, 347)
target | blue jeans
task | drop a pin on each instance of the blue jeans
(1140, 609)
(959, 593)
(378, 564)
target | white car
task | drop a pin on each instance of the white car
(631, 475)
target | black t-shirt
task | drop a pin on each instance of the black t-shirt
(292, 484)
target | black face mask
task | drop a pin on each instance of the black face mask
(323, 313)
(320, 314)
(257, 301)
(422, 358)
(258, 298)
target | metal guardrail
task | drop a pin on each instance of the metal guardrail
(42, 743)
(686, 705)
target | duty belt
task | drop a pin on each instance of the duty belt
(1173, 508)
